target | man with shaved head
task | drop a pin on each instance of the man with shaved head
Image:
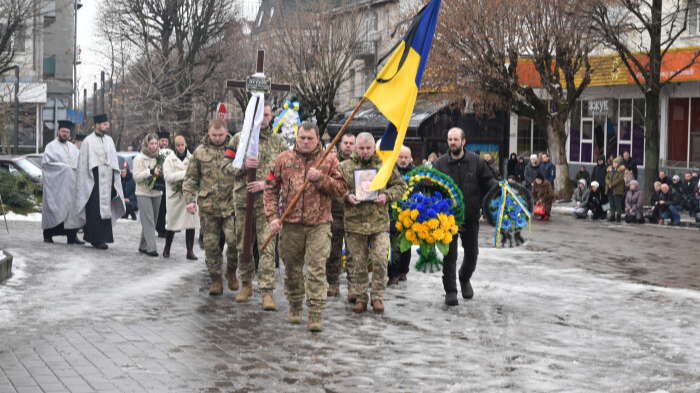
(398, 268)
(473, 176)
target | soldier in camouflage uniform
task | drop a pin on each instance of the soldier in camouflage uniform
(207, 187)
(270, 146)
(367, 224)
(334, 264)
(306, 234)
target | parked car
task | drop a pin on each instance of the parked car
(20, 165)
(128, 157)
(36, 158)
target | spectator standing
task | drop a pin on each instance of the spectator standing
(129, 187)
(493, 165)
(583, 174)
(629, 176)
(634, 204)
(599, 171)
(531, 171)
(581, 196)
(542, 192)
(548, 169)
(615, 186)
(520, 170)
(630, 164)
(596, 200)
(670, 201)
(512, 163)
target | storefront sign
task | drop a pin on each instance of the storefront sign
(597, 107)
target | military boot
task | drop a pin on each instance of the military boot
(377, 306)
(352, 295)
(294, 314)
(231, 278)
(217, 287)
(315, 322)
(268, 301)
(359, 307)
(246, 291)
(333, 291)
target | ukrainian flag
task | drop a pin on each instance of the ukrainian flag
(395, 90)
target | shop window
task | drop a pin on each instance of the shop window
(684, 132)
(531, 138)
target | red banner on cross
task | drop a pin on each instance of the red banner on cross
(221, 112)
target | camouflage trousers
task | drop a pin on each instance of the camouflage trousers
(266, 266)
(310, 244)
(335, 262)
(211, 229)
(376, 247)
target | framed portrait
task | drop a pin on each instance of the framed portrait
(363, 181)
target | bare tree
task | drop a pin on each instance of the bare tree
(642, 32)
(529, 57)
(15, 17)
(316, 41)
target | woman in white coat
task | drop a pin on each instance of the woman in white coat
(177, 218)
(145, 168)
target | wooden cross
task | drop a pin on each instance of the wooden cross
(254, 84)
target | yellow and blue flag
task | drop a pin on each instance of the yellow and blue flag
(395, 90)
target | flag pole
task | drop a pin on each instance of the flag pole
(318, 165)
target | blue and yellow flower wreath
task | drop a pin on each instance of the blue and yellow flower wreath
(508, 208)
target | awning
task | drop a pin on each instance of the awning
(369, 119)
(29, 93)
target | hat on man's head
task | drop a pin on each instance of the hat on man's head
(80, 137)
(101, 119)
(595, 184)
(676, 177)
(539, 176)
(66, 124)
(163, 135)
(617, 160)
(533, 157)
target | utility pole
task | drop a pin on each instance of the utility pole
(94, 99)
(16, 109)
(102, 100)
(75, 55)
(84, 107)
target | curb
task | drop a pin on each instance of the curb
(685, 222)
(5, 265)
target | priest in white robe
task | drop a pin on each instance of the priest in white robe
(99, 197)
(58, 167)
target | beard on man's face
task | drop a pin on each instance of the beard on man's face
(455, 148)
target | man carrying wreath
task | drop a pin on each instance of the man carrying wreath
(367, 223)
(473, 176)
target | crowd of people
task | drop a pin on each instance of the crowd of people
(216, 186)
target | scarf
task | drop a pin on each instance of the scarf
(146, 151)
(181, 156)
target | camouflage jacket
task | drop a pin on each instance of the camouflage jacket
(205, 183)
(368, 217)
(271, 145)
(287, 178)
(338, 204)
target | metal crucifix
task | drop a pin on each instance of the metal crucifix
(258, 85)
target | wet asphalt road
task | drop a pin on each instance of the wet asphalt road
(586, 306)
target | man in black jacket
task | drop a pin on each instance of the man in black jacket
(670, 201)
(471, 174)
(630, 164)
(398, 268)
(599, 171)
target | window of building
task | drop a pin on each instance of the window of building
(607, 127)
(19, 40)
(684, 132)
(49, 67)
(694, 17)
(531, 138)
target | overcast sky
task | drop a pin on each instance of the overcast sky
(92, 61)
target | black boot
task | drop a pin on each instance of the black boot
(189, 242)
(169, 235)
(619, 217)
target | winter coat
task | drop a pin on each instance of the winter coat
(338, 204)
(599, 172)
(581, 197)
(270, 146)
(676, 186)
(288, 176)
(549, 171)
(176, 217)
(520, 171)
(689, 188)
(144, 168)
(583, 175)
(129, 187)
(672, 197)
(205, 183)
(530, 173)
(368, 218)
(597, 198)
(472, 176)
(512, 164)
(665, 180)
(616, 180)
(495, 169)
(629, 176)
(634, 201)
(544, 192)
(631, 165)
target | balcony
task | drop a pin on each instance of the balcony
(366, 50)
